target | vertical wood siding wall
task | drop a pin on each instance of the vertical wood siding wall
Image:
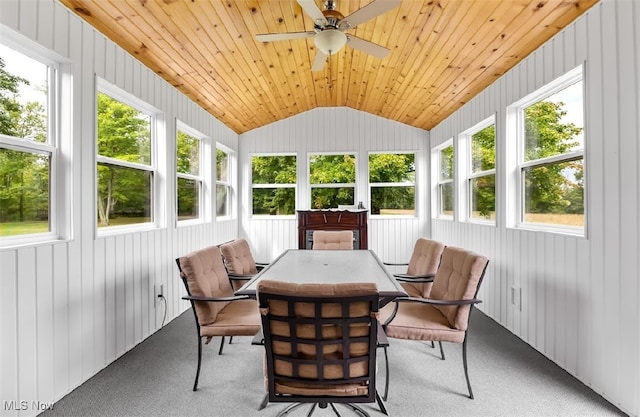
(580, 296)
(333, 130)
(69, 308)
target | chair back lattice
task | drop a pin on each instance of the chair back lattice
(424, 261)
(320, 341)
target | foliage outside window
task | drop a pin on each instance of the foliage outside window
(552, 154)
(27, 145)
(445, 180)
(189, 176)
(223, 183)
(273, 187)
(125, 163)
(392, 179)
(482, 174)
(332, 179)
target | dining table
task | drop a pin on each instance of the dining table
(328, 267)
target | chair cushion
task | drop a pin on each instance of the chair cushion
(458, 278)
(237, 318)
(206, 277)
(416, 321)
(424, 261)
(238, 258)
(324, 239)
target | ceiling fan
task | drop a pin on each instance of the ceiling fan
(329, 27)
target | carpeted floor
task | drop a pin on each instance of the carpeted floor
(509, 378)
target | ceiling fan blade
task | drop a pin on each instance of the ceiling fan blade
(371, 10)
(268, 37)
(319, 61)
(368, 47)
(311, 8)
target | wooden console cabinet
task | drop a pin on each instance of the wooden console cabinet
(310, 220)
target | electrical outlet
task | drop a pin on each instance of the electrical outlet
(516, 298)
(159, 292)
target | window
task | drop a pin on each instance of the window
(28, 147)
(223, 182)
(189, 183)
(392, 183)
(445, 169)
(550, 166)
(126, 169)
(332, 179)
(481, 178)
(273, 186)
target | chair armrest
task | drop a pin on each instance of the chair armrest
(261, 265)
(438, 302)
(394, 264)
(239, 277)
(216, 299)
(414, 278)
(258, 339)
(382, 341)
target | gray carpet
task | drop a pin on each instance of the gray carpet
(509, 378)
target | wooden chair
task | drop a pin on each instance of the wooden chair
(216, 310)
(332, 239)
(239, 262)
(444, 316)
(320, 342)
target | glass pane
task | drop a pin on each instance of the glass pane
(483, 149)
(388, 167)
(222, 200)
(222, 166)
(446, 163)
(393, 200)
(124, 195)
(23, 110)
(332, 169)
(554, 193)
(273, 169)
(483, 197)
(188, 199)
(24, 194)
(274, 201)
(124, 133)
(188, 154)
(446, 198)
(324, 198)
(554, 126)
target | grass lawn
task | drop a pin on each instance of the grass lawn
(23, 228)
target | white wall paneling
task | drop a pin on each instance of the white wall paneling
(69, 308)
(580, 296)
(333, 130)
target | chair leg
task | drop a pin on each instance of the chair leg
(195, 384)
(355, 408)
(383, 409)
(230, 339)
(264, 402)
(221, 346)
(464, 364)
(335, 410)
(386, 375)
(291, 407)
(441, 350)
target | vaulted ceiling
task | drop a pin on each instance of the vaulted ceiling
(443, 52)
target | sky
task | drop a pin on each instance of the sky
(30, 69)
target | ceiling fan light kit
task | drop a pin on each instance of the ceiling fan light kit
(330, 25)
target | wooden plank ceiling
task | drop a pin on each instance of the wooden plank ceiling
(443, 52)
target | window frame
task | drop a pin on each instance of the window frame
(229, 184)
(516, 126)
(467, 175)
(58, 125)
(157, 209)
(439, 182)
(200, 178)
(394, 184)
(273, 185)
(353, 185)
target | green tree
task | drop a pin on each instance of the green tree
(123, 134)
(483, 158)
(332, 169)
(280, 169)
(392, 168)
(548, 187)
